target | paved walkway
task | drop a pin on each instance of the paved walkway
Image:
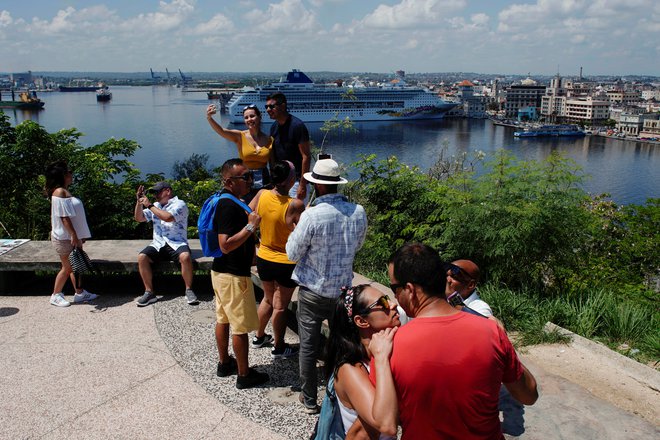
(113, 370)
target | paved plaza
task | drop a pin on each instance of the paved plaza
(113, 370)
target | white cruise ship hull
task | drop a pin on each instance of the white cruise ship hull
(319, 103)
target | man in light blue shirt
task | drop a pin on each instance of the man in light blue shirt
(323, 245)
(169, 216)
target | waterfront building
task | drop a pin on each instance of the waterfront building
(21, 79)
(586, 110)
(527, 94)
(473, 106)
(632, 124)
(650, 129)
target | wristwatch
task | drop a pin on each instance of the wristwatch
(249, 227)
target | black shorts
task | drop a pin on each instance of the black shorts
(279, 272)
(166, 253)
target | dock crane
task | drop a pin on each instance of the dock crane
(154, 77)
(187, 80)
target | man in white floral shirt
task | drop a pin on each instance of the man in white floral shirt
(169, 215)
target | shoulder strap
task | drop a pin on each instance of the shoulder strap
(236, 200)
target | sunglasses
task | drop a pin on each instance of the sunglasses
(272, 106)
(249, 175)
(394, 287)
(251, 107)
(457, 272)
(383, 301)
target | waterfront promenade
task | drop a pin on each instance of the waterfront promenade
(113, 370)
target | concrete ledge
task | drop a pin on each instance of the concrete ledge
(107, 256)
(640, 372)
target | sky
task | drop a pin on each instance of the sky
(541, 37)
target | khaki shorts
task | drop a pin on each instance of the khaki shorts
(62, 247)
(234, 302)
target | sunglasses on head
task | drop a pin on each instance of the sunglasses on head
(247, 176)
(457, 272)
(383, 301)
(251, 107)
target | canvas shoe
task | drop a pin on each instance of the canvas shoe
(191, 297)
(252, 379)
(57, 299)
(287, 352)
(146, 299)
(227, 369)
(308, 409)
(262, 341)
(84, 296)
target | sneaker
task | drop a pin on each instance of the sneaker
(228, 368)
(146, 299)
(262, 341)
(252, 379)
(84, 296)
(308, 409)
(191, 297)
(287, 352)
(57, 299)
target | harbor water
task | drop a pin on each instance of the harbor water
(170, 125)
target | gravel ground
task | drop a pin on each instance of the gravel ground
(188, 331)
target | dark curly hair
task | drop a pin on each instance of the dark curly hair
(343, 345)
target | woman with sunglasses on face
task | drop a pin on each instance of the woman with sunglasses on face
(69, 230)
(363, 326)
(254, 146)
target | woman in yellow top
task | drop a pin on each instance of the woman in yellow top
(279, 214)
(254, 146)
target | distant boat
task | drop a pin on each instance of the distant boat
(103, 95)
(82, 86)
(26, 102)
(550, 130)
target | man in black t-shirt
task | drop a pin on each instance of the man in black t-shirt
(231, 277)
(291, 141)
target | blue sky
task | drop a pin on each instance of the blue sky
(615, 37)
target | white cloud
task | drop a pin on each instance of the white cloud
(218, 24)
(411, 13)
(170, 16)
(5, 19)
(287, 16)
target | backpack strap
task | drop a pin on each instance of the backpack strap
(236, 200)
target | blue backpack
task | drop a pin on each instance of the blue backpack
(208, 238)
(329, 426)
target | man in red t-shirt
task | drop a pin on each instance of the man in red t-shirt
(448, 365)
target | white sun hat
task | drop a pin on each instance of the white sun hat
(325, 172)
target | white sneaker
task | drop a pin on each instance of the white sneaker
(57, 299)
(84, 296)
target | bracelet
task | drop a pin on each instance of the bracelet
(249, 227)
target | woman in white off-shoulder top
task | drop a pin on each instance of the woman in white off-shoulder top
(69, 230)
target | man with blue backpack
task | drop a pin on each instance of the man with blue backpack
(234, 224)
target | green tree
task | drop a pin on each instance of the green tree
(102, 179)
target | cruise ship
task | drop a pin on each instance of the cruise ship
(320, 102)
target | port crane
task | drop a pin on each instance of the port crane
(154, 77)
(187, 80)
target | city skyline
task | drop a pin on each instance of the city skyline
(542, 37)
